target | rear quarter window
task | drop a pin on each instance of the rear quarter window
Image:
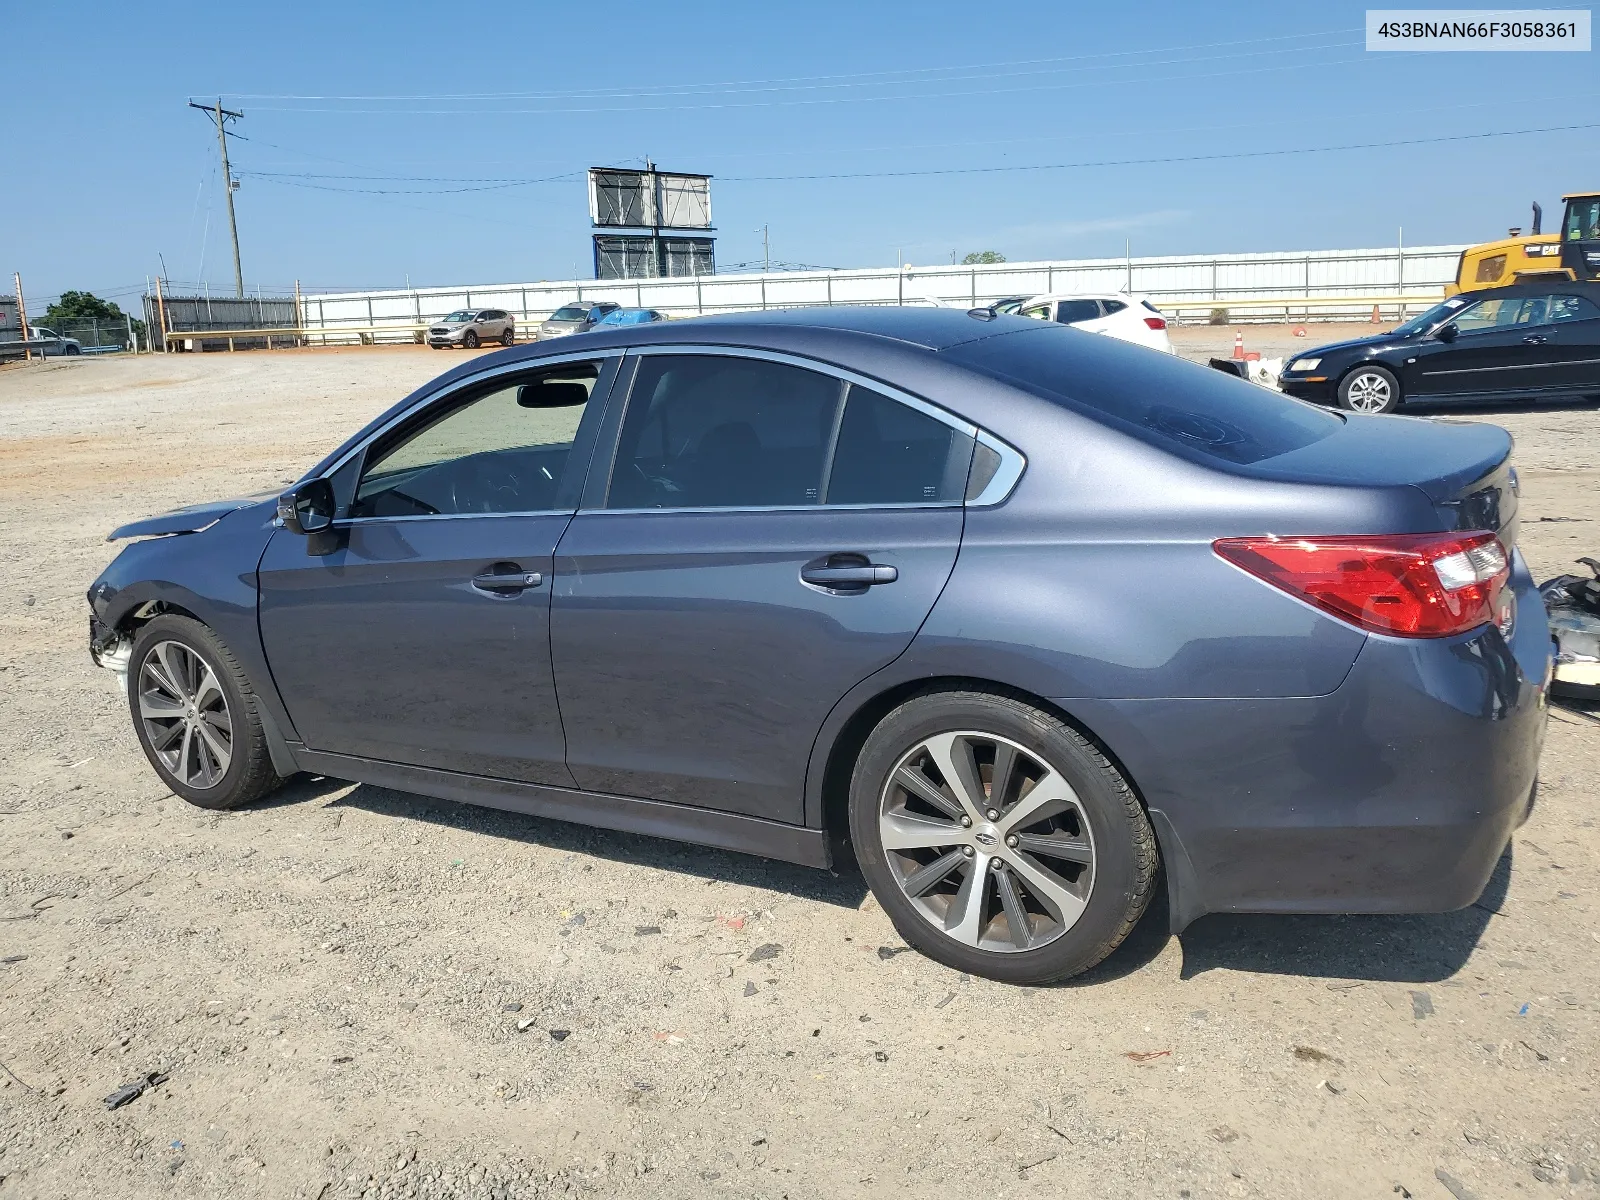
(1158, 398)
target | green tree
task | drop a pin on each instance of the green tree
(73, 307)
(982, 258)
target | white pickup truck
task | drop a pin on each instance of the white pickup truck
(40, 340)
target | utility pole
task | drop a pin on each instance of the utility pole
(766, 250)
(222, 116)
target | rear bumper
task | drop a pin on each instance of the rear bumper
(1396, 793)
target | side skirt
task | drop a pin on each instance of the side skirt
(726, 831)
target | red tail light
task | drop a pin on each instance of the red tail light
(1410, 585)
(1156, 322)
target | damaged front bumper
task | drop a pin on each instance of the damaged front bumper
(111, 650)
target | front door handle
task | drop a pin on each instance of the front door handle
(1535, 339)
(507, 583)
(851, 573)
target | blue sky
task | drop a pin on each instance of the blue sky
(364, 183)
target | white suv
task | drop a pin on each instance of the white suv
(1130, 318)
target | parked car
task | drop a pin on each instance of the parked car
(824, 582)
(1131, 318)
(630, 316)
(575, 318)
(1010, 305)
(1526, 341)
(471, 327)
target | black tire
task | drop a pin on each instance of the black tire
(249, 774)
(1123, 855)
(1370, 389)
(72, 350)
(470, 339)
(509, 337)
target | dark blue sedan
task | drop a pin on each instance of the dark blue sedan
(1018, 617)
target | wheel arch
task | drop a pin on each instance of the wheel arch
(834, 756)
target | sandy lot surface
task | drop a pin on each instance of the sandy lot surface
(358, 992)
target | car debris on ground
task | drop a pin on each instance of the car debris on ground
(1573, 603)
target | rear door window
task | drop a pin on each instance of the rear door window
(890, 453)
(708, 431)
(1572, 308)
(1157, 398)
(1070, 312)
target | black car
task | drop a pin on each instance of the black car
(1527, 341)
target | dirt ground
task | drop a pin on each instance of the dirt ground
(353, 991)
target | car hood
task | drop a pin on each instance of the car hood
(192, 519)
(1355, 346)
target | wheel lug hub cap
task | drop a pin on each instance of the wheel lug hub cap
(987, 836)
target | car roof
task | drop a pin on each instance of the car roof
(931, 328)
(1084, 296)
(1542, 287)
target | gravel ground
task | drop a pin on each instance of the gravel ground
(355, 992)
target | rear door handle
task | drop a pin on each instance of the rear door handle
(847, 573)
(507, 583)
(1535, 339)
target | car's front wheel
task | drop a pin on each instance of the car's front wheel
(999, 840)
(1370, 389)
(470, 339)
(195, 715)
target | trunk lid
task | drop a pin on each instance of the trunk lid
(1463, 467)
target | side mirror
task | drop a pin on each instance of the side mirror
(1446, 332)
(307, 507)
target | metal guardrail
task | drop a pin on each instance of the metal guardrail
(319, 334)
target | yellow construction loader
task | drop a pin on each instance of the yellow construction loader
(1571, 253)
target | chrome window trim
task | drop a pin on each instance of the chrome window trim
(1012, 464)
(347, 522)
(768, 508)
(526, 364)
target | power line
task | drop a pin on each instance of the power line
(1132, 162)
(917, 96)
(807, 80)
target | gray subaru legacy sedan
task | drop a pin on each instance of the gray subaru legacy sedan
(1017, 618)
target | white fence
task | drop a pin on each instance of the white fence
(1188, 287)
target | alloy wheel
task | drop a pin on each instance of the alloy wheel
(988, 841)
(1369, 392)
(184, 713)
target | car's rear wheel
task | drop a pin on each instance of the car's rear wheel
(470, 339)
(999, 840)
(509, 336)
(1370, 389)
(195, 715)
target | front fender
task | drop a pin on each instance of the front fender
(212, 576)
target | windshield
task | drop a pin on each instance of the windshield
(460, 315)
(569, 312)
(1434, 316)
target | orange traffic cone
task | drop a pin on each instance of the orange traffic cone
(1238, 346)
(1376, 318)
